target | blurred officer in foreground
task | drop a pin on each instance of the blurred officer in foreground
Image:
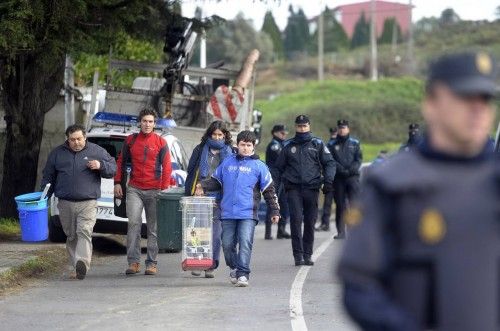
(413, 138)
(424, 245)
(346, 152)
(304, 164)
(327, 203)
(273, 150)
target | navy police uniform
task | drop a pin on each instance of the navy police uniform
(413, 138)
(304, 164)
(272, 152)
(424, 243)
(346, 152)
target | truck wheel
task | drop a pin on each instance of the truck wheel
(56, 233)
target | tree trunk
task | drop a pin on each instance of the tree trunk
(31, 85)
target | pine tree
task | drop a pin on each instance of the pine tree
(271, 28)
(296, 33)
(361, 34)
(335, 37)
(387, 33)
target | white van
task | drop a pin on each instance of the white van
(111, 137)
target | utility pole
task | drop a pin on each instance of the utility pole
(321, 58)
(410, 56)
(69, 100)
(203, 46)
(373, 44)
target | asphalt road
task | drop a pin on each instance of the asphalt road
(175, 300)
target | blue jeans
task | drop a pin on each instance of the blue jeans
(237, 243)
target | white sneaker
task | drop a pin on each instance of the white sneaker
(232, 277)
(242, 282)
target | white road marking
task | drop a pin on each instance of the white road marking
(296, 312)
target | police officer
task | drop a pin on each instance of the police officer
(413, 137)
(274, 148)
(424, 248)
(327, 202)
(304, 164)
(346, 152)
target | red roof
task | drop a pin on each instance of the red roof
(350, 14)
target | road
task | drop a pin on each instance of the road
(175, 300)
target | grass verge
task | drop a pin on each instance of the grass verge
(9, 228)
(46, 263)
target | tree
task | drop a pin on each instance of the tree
(448, 17)
(35, 37)
(387, 33)
(335, 37)
(296, 33)
(361, 35)
(233, 41)
(271, 28)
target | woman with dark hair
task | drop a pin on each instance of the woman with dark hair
(215, 146)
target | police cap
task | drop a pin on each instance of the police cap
(413, 127)
(278, 128)
(465, 73)
(342, 123)
(302, 119)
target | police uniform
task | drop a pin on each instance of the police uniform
(272, 152)
(346, 152)
(304, 164)
(424, 243)
(413, 138)
(328, 197)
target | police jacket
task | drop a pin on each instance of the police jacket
(346, 152)
(69, 176)
(272, 152)
(243, 179)
(423, 249)
(305, 164)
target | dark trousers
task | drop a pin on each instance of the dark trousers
(303, 206)
(284, 213)
(327, 209)
(344, 190)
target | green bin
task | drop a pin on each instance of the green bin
(169, 217)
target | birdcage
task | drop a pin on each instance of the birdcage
(197, 219)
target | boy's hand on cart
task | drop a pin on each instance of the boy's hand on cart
(275, 219)
(199, 190)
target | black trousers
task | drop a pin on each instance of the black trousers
(327, 209)
(345, 190)
(284, 213)
(303, 206)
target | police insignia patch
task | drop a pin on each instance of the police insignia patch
(275, 147)
(294, 149)
(483, 63)
(432, 227)
(353, 216)
(337, 147)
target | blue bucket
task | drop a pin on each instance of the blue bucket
(33, 216)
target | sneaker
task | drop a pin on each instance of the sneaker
(232, 277)
(81, 269)
(151, 269)
(133, 268)
(209, 273)
(242, 282)
(196, 273)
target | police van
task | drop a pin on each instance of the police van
(109, 131)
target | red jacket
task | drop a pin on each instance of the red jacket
(150, 162)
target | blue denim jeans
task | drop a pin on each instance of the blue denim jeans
(237, 243)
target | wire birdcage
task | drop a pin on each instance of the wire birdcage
(197, 220)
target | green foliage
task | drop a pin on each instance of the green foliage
(448, 17)
(391, 27)
(370, 151)
(361, 35)
(296, 33)
(378, 111)
(9, 228)
(335, 37)
(233, 41)
(271, 28)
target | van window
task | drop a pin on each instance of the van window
(112, 145)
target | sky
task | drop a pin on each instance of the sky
(256, 9)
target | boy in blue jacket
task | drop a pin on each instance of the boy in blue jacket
(242, 178)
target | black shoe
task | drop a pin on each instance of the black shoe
(299, 263)
(268, 237)
(318, 228)
(308, 261)
(283, 235)
(325, 227)
(81, 269)
(339, 236)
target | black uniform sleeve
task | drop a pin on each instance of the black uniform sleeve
(328, 164)
(108, 164)
(49, 173)
(358, 159)
(367, 260)
(279, 168)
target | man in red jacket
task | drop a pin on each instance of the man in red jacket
(148, 156)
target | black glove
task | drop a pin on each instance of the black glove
(327, 187)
